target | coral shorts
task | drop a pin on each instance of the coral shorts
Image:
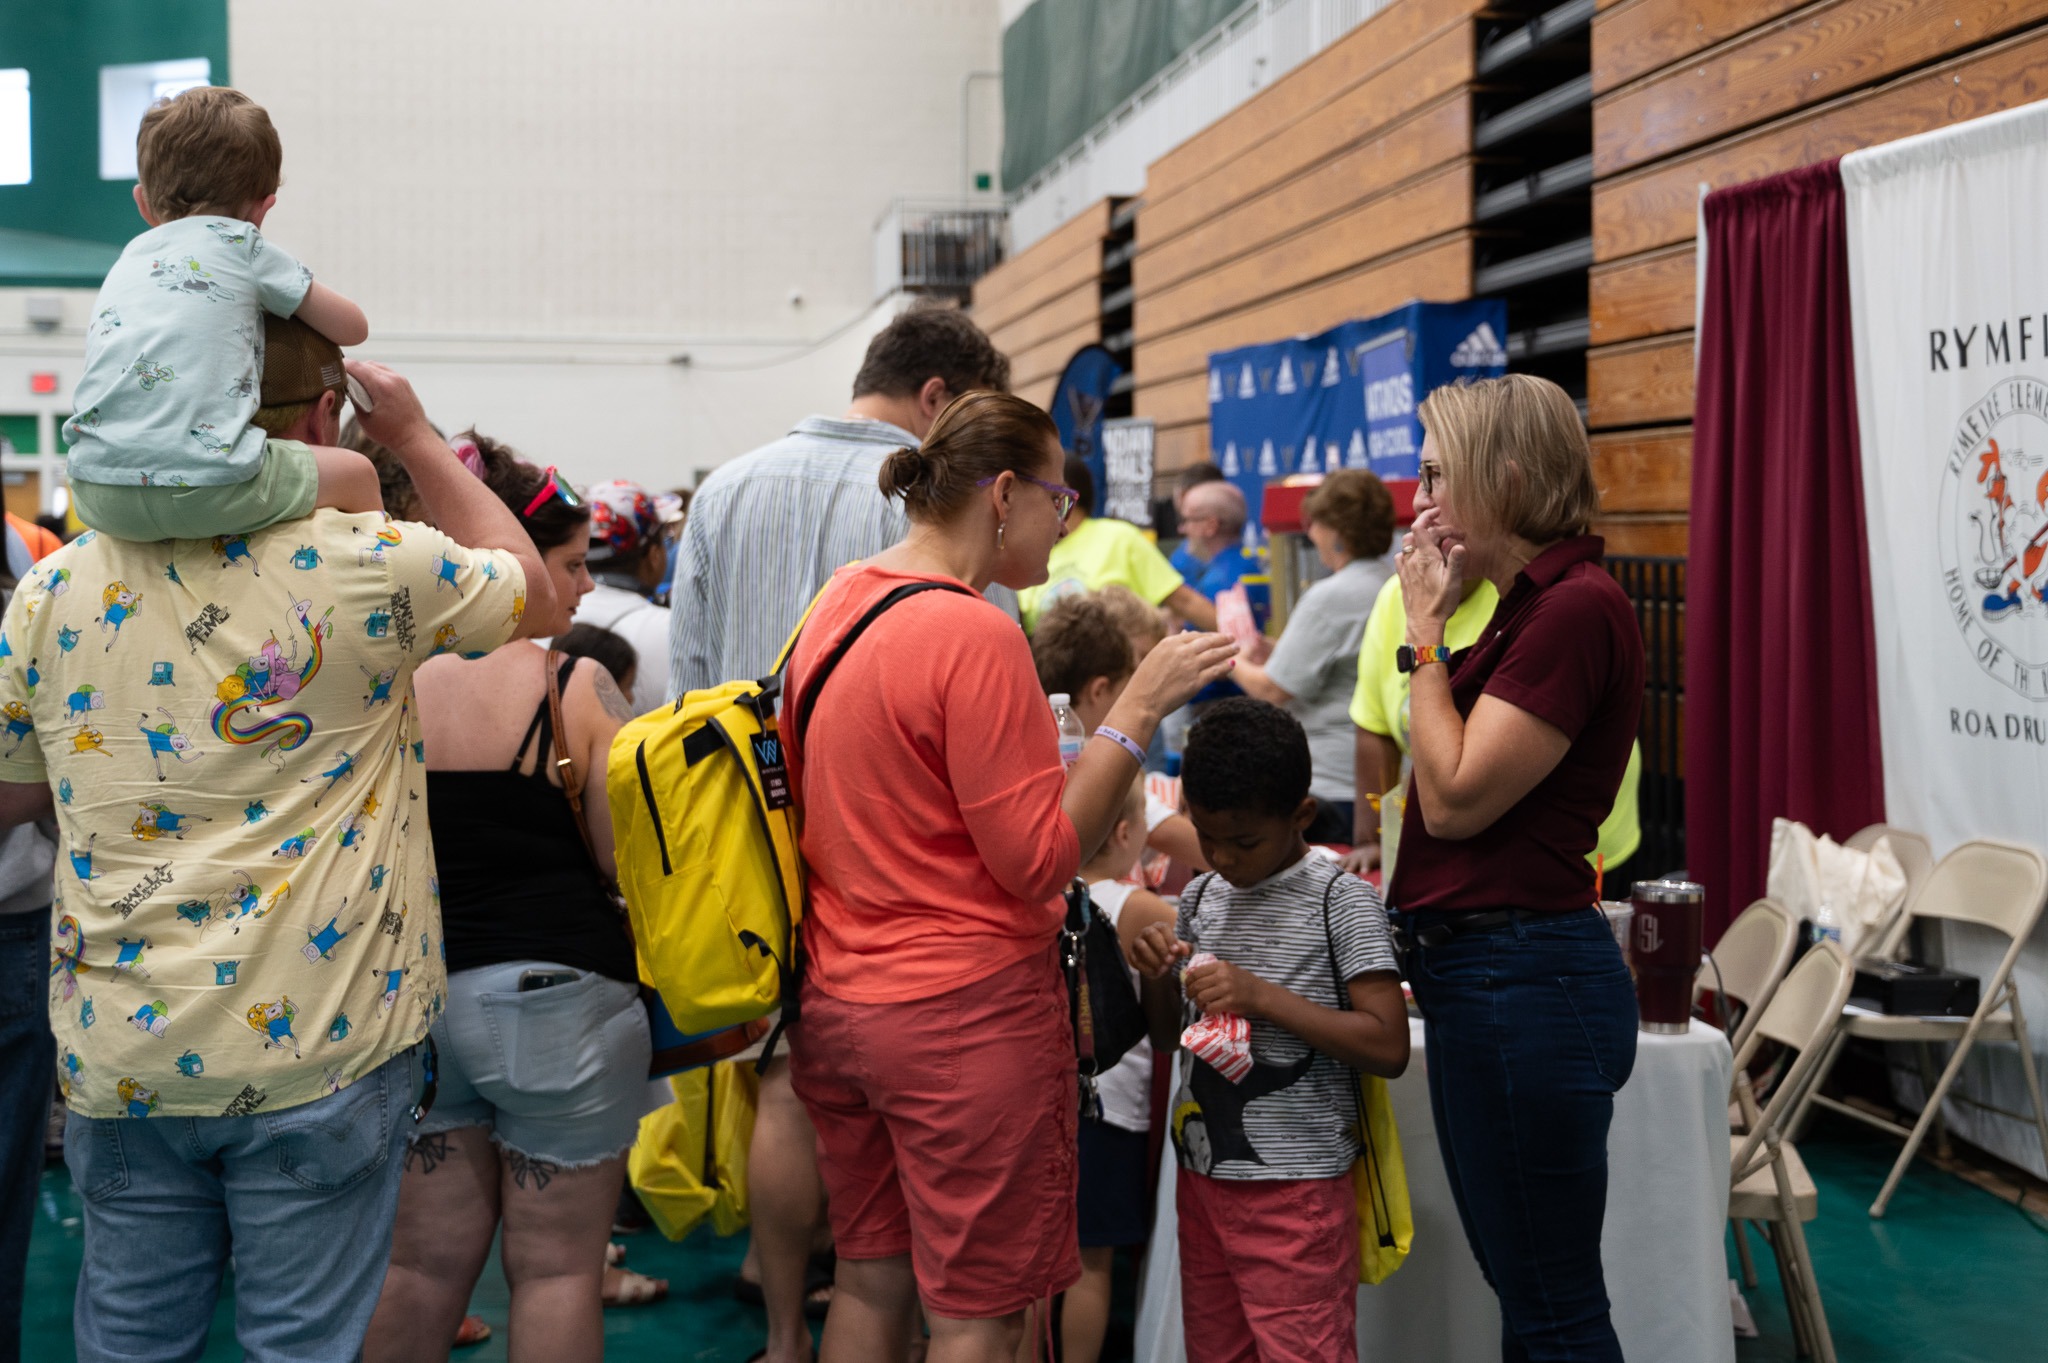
(946, 1131)
(1268, 1269)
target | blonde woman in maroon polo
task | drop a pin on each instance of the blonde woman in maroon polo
(1519, 745)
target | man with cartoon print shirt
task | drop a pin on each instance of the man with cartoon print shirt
(239, 1114)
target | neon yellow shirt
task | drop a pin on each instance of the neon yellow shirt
(247, 915)
(1380, 704)
(1097, 552)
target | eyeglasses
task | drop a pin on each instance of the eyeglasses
(553, 487)
(1428, 476)
(1064, 498)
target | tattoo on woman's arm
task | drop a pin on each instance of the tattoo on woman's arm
(614, 700)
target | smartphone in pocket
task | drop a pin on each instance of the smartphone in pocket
(530, 980)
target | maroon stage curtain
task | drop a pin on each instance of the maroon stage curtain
(1780, 675)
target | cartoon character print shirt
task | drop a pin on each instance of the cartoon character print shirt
(1293, 1116)
(174, 356)
(247, 916)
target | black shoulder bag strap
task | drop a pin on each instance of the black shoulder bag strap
(793, 977)
(1382, 1214)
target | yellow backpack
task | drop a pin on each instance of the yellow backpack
(706, 841)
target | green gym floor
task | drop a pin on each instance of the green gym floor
(1951, 1275)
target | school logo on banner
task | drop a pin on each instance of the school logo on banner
(1994, 533)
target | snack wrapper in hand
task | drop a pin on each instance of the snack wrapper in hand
(1222, 1039)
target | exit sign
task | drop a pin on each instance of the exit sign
(984, 180)
(42, 383)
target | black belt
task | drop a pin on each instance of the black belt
(1446, 929)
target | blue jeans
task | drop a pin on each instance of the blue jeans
(1530, 1029)
(28, 1081)
(303, 1198)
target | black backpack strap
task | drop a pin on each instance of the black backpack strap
(809, 700)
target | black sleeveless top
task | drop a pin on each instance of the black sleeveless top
(517, 883)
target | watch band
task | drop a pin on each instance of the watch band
(1408, 657)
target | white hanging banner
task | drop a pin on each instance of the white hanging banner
(1949, 300)
(1949, 296)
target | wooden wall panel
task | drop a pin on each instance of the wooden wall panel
(1038, 393)
(1647, 470)
(1378, 43)
(1658, 205)
(1176, 447)
(1640, 382)
(1656, 536)
(1815, 55)
(1633, 39)
(1060, 315)
(1433, 136)
(1174, 402)
(1414, 212)
(1441, 67)
(1050, 357)
(1049, 267)
(1643, 295)
(1437, 271)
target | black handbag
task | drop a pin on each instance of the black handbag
(1108, 1018)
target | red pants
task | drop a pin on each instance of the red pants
(946, 1131)
(1268, 1270)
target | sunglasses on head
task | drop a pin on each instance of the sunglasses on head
(553, 487)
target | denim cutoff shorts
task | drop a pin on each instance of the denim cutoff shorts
(557, 1074)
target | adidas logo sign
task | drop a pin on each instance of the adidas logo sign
(1215, 385)
(1481, 350)
(1332, 371)
(1286, 383)
(1247, 386)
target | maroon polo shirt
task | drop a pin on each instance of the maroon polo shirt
(1563, 645)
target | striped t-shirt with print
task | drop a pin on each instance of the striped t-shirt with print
(1294, 1115)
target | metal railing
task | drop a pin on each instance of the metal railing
(1656, 587)
(936, 248)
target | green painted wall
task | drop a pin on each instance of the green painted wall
(63, 44)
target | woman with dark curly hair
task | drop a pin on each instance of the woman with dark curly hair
(543, 1045)
(1314, 668)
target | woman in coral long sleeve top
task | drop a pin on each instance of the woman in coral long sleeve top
(934, 1054)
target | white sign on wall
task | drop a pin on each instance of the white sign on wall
(1127, 444)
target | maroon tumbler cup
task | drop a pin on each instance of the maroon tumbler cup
(1665, 937)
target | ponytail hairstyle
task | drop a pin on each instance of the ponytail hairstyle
(516, 483)
(977, 437)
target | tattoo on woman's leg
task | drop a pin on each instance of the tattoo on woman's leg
(524, 1166)
(427, 1152)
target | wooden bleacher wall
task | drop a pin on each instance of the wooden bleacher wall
(1716, 92)
(1340, 191)
(1045, 303)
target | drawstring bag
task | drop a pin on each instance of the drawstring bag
(1103, 1006)
(690, 1161)
(1379, 1176)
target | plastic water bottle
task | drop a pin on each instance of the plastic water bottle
(1072, 735)
(1827, 924)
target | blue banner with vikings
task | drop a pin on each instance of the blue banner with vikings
(1346, 398)
(1078, 404)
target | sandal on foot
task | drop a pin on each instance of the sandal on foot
(624, 1287)
(614, 1255)
(473, 1330)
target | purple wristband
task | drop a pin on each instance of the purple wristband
(1122, 740)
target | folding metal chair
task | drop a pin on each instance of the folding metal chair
(1748, 963)
(1768, 1182)
(1997, 885)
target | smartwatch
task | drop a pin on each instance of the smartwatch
(1408, 658)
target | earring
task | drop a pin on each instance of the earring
(999, 535)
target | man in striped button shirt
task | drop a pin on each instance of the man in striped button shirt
(767, 529)
(765, 532)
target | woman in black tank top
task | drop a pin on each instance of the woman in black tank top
(543, 1044)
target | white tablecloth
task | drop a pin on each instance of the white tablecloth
(1667, 1202)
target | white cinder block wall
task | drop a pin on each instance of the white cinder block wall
(541, 204)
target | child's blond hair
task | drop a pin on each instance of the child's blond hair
(1134, 617)
(209, 150)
